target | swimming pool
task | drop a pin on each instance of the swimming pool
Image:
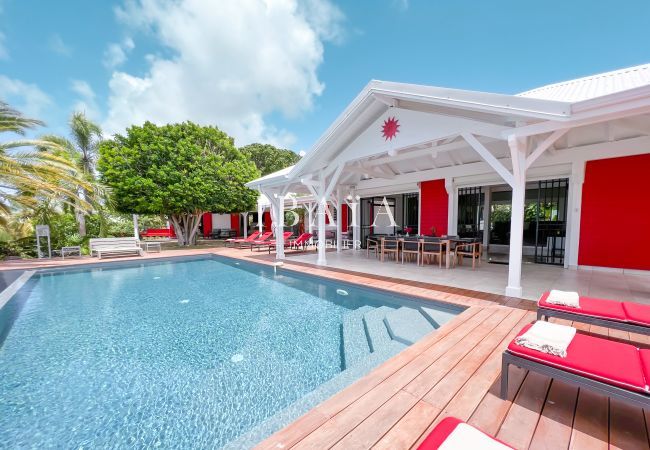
(199, 353)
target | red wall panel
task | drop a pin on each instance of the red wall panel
(434, 206)
(234, 222)
(207, 224)
(344, 217)
(267, 221)
(614, 205)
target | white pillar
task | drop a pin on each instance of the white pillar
(452, 208)
(310, 218)
(260, 218)
(136, 229)
(339, 220)
(322, 259)
(574, 210)
(518, 151)
(279, 229)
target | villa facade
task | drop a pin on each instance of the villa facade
(555, 175)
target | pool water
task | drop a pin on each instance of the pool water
(192, 353)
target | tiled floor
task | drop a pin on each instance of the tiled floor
(536, 278)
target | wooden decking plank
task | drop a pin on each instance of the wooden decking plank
(642, 339)
(556, 422)
(445, 390)
(627, 428)
(452, 330)
(590, 425)
(519, 425)
(482, 383)
(375, 426)
(428, 378)
(619, 334)
(454, 378)
(345, 421)
(294, 432)
(409, 428)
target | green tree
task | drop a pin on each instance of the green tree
(33, 170)
(82, 150)
(269, 159)
(178, 170)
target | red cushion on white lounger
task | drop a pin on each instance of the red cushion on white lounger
(636, 313)
(595, 307)
(608, 361)
(645, 363)
(443, 430)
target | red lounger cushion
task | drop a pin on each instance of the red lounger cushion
(636, 313)
(442, 431)
(608, 361)
(645, 362)
(595, 307)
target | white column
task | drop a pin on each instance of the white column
(260, 218)
(322, 259)
(310, 218)
(518, 151)
(339, 220)
(452, 208)
(574, 210)
(136, 229)
(279, 229)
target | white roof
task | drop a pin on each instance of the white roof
(593, 86)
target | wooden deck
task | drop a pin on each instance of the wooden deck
(455, 371)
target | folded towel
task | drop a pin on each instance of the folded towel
(466, 436)
(564, 298)
(547, 337)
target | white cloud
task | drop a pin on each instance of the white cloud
(232, 65)
(57, 45)
(116, 54)
(86, 101)
(27, 98)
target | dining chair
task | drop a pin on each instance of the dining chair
(432, 248)
(372, 245)
(411, 246)
(389, 245)
(471, 249)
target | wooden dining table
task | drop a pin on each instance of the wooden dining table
(400, 241)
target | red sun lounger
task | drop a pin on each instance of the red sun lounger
(624, 316)
(614, 369)
(300, 242)
(261, 243)
(456, 434)
(260, 239)
(235, 241)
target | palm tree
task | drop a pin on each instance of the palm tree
(82, 150)
(33, 170)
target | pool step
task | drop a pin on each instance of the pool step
(355, 341)
(407, 325)
(377, 332)
(438, 317)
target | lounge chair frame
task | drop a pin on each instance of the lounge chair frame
(632, 397)
(544, 313)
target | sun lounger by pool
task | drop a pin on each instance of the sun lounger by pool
(262, 243)
(611, 368)
(248, 243)
(454, 434)
(115, 247)
(626, 316)
(235, 241)
(299, 243)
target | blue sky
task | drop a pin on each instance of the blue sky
(284, 72)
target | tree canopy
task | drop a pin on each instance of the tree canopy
(178, 170)
(269, 159)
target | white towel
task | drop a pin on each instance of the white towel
(564, 298)
(467, 437)
(547, 337)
